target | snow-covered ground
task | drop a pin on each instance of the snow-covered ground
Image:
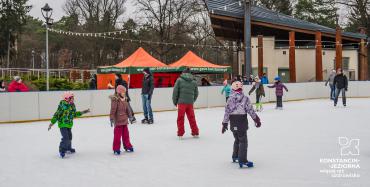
(286, 150)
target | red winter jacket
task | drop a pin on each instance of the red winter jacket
(15, 86)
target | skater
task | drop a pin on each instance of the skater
(185, 93)
(146, 95)
(226, 89)
(120, 81)
(260, 91)
(64, 116)
(279, 86)
(236, 110)
(17, 85)
(119, 115)
(264, 79)
(330, 80)
(2, 86)
(341, 85)
(93, 83)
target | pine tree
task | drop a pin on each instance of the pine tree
(322, 12)
(281, 6)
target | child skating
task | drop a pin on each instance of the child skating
(119, 115)
(236, 110)
(226, 89)
(64, 115)
(260, 91)
(279, 86)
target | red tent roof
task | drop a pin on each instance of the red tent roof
(192, 60)
(140, 58)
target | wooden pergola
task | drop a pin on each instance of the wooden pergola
(230, 21)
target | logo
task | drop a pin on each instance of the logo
(349, 146)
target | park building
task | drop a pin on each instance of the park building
(277, 44)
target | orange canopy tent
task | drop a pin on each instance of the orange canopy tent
(199, 65)
(132, 68)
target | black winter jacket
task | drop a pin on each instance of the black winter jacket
(148, 85)
(341, 81)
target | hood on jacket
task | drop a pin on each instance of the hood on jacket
(187, 77)
(116, 97)
(237, 96)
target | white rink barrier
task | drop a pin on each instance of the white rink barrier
(29, 106)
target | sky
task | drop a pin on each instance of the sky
(58, 11)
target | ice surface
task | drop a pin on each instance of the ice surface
(286, 150)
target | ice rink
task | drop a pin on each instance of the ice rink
(286, 150)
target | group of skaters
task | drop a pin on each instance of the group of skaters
(338, 83)
(258, 87)
(185, 93)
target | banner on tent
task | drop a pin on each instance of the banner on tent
(137, 70)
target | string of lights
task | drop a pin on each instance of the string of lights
(112, 35)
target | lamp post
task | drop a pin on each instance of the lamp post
(46, 13)
(8, 53)
(33, 61)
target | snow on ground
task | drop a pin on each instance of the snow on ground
(286, 150)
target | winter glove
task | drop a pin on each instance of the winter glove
(150, 97)
(224, 127)
(346, 89)
(257, 121)
(111, 122)
(51, 125)
(85, 111)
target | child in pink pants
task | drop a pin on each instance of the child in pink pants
(119, 115)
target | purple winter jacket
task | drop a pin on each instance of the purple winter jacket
(238, 103)
(279, 88)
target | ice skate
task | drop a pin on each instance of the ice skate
(145, 121)
(248, 164)
(62, 154)
(71, 151)
(150, 121)
(116, 152)
(130, 150)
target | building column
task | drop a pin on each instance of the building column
(318, 57)
(292, 70)
(363, 60)
(260, 55)
(338, 48)
(247, 38)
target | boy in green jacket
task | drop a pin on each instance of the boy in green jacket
(64, 116)
(184, 95)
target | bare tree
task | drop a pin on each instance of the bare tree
(169, 20)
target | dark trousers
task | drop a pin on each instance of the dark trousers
(66, 142)
(279, 101)
(332, 91)
(337, 92)
(258, 98)
(239, 127)
(130, 108)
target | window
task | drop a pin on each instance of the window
(345, 63)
